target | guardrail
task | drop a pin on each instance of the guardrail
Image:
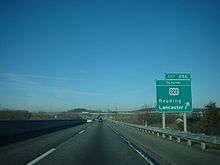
(179, 136)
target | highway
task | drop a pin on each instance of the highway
(17, 130)
(103, 143)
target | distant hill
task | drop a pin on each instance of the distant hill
(80, 110)
(145, 110)
(199, 109)
(9, 114)
(154, 110)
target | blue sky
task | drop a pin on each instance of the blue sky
(101, 54)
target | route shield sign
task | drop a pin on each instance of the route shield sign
(174, 95)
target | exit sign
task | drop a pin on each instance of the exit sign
(174, 93)
(179, 76)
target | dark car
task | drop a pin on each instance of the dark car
(100, 120)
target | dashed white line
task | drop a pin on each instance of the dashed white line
(46, 154)
(41, 157)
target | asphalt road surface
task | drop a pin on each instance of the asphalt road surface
(102, 144)
(165, 151)
(94, 143)
(18, 130)
(98, 145)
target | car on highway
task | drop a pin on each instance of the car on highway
(89, 121)
(100, 120)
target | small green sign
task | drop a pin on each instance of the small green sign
(174, 95)
(179, 76)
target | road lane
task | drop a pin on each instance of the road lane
(22, 152)
(168, 152)
(103, 143)
(98, 145)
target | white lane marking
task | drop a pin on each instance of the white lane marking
(132, 146)
(41, 157)
(82, 131)
(142, 155)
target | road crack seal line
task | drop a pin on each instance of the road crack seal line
(134, 147)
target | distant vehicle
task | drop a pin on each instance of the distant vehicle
(96, 120)
(100, 120)
(89, 121)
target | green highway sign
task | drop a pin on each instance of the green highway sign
(174, 95)
(179, 76)
(173, 82)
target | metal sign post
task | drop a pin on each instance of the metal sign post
(164, 120)
(145, 123)
(185, 122)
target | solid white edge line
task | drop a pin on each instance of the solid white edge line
(82, 131)
(129, 144)
(145, 158)
(41, 156)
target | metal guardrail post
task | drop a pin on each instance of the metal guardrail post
(190, 138)
(170, 137)
(203, 146)
(189, 142)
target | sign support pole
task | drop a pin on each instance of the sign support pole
(185, 121)
(163, 120)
